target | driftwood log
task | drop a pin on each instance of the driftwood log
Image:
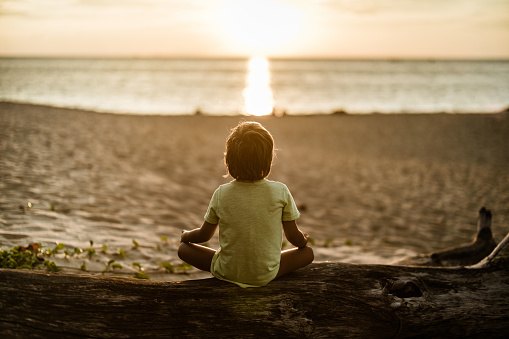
(461, 255)
(322, 300)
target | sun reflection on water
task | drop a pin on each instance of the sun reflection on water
(258, 98)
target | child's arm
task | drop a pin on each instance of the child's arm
(199, 235)
(295, 236)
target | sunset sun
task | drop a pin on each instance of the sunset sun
(259, 25)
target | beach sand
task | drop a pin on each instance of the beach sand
(371, 188)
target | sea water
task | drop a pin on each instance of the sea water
(218, 86)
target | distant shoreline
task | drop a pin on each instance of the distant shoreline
(199, 113)
(246, 57)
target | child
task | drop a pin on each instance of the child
(249, 211)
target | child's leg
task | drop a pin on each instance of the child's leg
(196, 255)
(295, 258)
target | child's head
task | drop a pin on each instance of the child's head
(249, 152)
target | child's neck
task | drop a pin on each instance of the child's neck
(248, 181)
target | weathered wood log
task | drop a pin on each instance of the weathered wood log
(461, 255)
(322, 300)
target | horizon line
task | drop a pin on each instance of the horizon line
(244, 57)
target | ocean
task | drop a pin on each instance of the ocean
(282, 86)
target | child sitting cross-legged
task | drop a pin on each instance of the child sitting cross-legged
(252, 213)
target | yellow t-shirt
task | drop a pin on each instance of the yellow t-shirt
(249, 215)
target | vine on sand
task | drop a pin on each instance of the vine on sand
(34, 257)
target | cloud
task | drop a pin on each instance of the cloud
(86, 9)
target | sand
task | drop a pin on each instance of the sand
(371, 188)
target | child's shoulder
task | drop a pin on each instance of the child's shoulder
(275, 183)
(278, 186)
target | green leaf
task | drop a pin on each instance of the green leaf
(167, 266)
(136, 245)
(141, 275)
(90, 252)
(51, 266)
(185, 267)
(57, 248)
(27, 267)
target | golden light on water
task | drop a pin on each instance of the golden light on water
(258, 98)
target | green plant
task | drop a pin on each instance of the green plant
(90, 252)
(111, 264)
(50, 265)
(185, 267)
(140, 274)
(136, 245)
(33, 257)
(167, 266)
(121, 253)
(16, 258)
(57, 248)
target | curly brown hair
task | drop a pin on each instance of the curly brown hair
(249, 152)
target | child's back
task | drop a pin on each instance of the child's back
(250, 231)
(251, 213)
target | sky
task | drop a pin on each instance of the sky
(470, 29)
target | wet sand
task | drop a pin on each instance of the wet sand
(371, 188)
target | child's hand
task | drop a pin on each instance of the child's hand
(184, 232)
(306, 237)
